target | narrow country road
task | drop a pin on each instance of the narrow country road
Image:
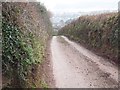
(76, 67)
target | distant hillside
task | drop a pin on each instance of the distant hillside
(98, 33)
(61, 19)
(26, 28)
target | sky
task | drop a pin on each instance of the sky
(61, 6)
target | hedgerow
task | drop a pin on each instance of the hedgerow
(98, 33)
(23, 42)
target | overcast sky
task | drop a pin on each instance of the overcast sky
(60, 6)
